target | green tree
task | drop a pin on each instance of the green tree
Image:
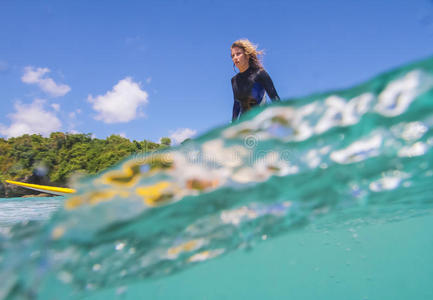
(165, 141)
(62, 154)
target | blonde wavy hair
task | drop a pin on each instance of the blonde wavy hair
(251, 50)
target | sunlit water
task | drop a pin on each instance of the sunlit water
(325, 197)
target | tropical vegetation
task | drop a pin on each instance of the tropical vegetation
(60, 155)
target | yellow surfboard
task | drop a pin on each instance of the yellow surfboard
(43, 188)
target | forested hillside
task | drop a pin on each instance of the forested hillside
(37, 159)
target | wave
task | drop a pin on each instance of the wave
(331, 159)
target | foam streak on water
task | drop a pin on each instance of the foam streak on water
(358, 155)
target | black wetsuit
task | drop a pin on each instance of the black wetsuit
(249, 90)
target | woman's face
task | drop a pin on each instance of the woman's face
(240, 59)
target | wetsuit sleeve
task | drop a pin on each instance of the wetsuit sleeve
(236, 105)
(267, 83)
(236, 110)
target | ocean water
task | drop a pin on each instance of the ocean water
(324, 197)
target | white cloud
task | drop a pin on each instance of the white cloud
(31, 119)
(136, 43)
(36, 76)
(121, 104)
(133, 40)
(181, 134)
(56, 106)
(73, 121)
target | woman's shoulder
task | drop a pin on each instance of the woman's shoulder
(236, 76)
(261, 71)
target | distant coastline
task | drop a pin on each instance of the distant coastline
(38, 195)
(52, 160)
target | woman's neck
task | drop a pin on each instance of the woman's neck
(244, 68)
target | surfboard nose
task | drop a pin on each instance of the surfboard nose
(61, 191)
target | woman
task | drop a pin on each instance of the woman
(250, 84)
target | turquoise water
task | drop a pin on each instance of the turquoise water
(379, 261)
(328, 196)
(16, 210)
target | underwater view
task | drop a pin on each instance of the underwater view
(323, 197)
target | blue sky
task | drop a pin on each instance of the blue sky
(150, 69)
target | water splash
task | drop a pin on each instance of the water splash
(324, 160)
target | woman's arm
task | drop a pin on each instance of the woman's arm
(267, 83)
(236, 104)
(236, 110)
